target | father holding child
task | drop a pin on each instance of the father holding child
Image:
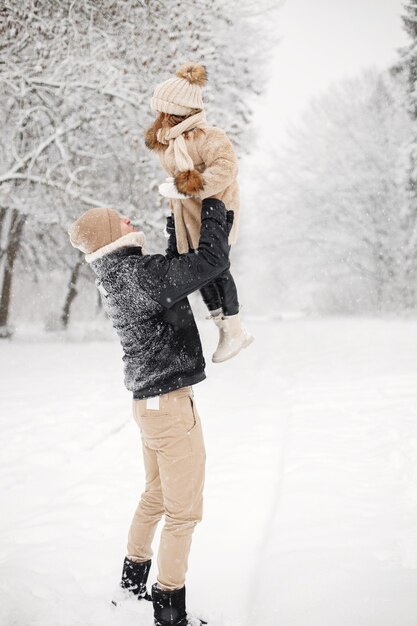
(146, 299)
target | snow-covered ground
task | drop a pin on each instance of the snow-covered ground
(311, 497)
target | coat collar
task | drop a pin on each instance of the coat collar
(136, 238)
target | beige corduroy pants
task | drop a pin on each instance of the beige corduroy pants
(174, 457)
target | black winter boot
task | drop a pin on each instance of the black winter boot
(169, 608)
(133, 582)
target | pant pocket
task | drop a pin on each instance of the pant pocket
(196, 415)
(195, 437)
(190, 415)
(152, 422)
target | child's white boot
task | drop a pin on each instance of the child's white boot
(233, 336)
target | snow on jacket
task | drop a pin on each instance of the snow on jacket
(145, 297)
(215, 164)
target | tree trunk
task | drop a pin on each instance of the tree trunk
(71, 293)
(10, 247)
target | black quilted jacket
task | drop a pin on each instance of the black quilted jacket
(146, 300)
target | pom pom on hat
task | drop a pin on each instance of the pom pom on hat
(194, 73)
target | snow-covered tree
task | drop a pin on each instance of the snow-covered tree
(75, 85)
(335, 195)
(408, 55)
(407, 68)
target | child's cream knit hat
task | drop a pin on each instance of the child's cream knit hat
(182, 93)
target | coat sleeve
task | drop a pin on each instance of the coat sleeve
(170, 279)
(220, 161)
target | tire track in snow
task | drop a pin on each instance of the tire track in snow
(255, 593)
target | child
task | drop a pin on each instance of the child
(201, 163)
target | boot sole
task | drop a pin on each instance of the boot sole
(233, 354)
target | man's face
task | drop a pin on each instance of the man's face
(126, 226)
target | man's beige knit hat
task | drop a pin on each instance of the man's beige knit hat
(94, 229)
(182, 93)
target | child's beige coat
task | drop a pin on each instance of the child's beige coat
(215, 163)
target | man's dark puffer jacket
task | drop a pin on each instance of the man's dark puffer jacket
(146, 300)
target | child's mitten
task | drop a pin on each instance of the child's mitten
(169, 190)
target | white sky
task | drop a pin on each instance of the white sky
(323, 41)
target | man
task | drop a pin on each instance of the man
(146, 299)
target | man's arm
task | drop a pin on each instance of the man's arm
(175, 278)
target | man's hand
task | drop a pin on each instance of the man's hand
(230, 217)
(171, 250)
(170, 225)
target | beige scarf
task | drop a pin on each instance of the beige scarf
(174, 138)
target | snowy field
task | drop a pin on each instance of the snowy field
(311, 496)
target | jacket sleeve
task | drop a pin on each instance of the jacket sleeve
(220, 161)
(170, 279)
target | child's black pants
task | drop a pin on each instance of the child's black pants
(221, 294)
